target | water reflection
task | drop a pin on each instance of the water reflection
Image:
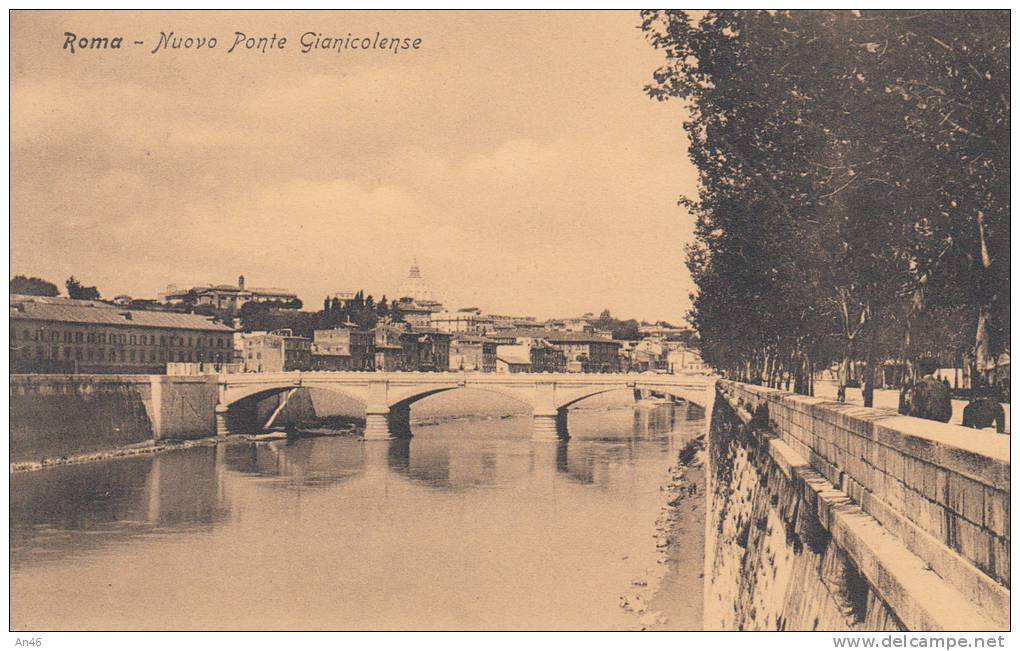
(303, 463)
(437, 531)
(77, 508)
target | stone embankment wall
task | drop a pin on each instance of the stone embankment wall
(824, 516)
(53, 416)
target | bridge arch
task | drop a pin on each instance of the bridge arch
(407, 398)
(569, 399)
(696, 397)
(233, 396)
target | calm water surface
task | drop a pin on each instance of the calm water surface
(466, 525)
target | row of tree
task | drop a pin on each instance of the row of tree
(361, 310)
(854, 185)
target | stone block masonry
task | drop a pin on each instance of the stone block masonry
(54, 416)
(829, 516)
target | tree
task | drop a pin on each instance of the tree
(33, 286)
(849, 166)
(76, 290)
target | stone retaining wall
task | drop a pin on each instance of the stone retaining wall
(52, 416)
(885, 521)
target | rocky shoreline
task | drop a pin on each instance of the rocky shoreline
(670, 597)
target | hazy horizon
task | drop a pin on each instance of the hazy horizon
(514, 155)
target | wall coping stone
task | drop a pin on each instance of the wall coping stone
(976, 454)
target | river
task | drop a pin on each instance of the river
(467, 525)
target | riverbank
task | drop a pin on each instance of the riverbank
(152, 447)
(326, 426)
(671, 598)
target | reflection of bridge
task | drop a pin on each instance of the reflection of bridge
(388, 396)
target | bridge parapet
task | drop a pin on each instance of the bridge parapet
(387, 396)
(920, 509)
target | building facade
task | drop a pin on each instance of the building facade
(346, 348)
(513, 358)
(546, 358)
(226, 297)
(472, 353)
(389, 352)
(53, 335)
(467, 320)
(276, 352)
(400, 347)
(583, 353)
(413, 313)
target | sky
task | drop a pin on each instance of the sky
(514, 155)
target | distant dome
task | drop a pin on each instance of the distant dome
(414, 286)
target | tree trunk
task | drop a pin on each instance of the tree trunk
(981, 352)
(811, 377)
(844, 376)
(868, 382)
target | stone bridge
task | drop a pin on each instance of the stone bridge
(388, 396)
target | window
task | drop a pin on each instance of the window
(89, 353)
(24, 335)
(39, 353)
(79, 337)
(67, 353)
(133, 340)
(132, 354)
(162, 340)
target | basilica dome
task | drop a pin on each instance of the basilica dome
(416, 287)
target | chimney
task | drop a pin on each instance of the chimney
(240, 282)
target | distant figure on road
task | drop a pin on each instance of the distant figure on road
(927, 398)
(980, 413)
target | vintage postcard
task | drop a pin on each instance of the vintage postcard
(511, 320)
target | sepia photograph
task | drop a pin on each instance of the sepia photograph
(510, 320)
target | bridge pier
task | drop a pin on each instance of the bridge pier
(550, 427)
(222, 429)
(377, 427)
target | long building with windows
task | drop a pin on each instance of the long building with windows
(54, 335)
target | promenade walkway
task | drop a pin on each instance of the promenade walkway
(890, 399)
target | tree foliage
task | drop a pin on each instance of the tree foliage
(75, 289)
(627, 330)
(361, 311)
(853, 184)
(33, 286)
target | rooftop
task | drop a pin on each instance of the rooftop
(473, 339)
(557, 336)
(110, 315)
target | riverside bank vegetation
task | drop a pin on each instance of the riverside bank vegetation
(854, 179)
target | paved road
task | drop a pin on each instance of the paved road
(890, 399)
